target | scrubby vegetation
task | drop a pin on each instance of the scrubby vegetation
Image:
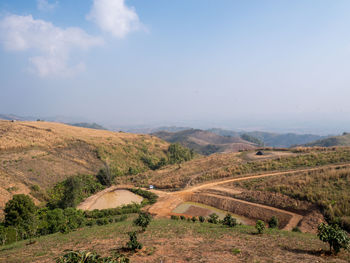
(222, 166)
(260, 226)
(70, 192)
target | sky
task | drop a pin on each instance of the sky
(256, 64)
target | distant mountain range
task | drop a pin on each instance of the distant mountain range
(269, 139)
(205, 142)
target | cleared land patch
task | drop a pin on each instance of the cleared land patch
(110, 198)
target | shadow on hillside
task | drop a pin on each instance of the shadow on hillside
(305, 251)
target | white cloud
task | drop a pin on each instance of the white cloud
(44, 5)
(51, 45)
(114, 17)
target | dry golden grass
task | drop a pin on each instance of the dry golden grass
(44, 153)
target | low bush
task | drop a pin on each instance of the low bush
(229, 221)
(213, 218)
(260, 226)
(273, 222)
(133, 243)
(201, 219)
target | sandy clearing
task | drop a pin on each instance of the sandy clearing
(110, 198)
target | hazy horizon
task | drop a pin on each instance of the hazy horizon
(255, 65)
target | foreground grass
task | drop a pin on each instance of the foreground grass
(179, 241)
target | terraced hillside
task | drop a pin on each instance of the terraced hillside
(44, 153)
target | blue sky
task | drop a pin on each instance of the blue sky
(235, 64)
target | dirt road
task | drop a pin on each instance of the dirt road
(170, 200)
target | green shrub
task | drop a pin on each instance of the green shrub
(143, 220)
(151, 197)
(201, 219)
(273, 222)
(194, 219)
(213, 218)
(260, 226)
(229, 221)
(133, 244)
(334, 236)
(182, 217)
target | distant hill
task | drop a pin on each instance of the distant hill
(205, 142)
(273, 139)
(284, 139)
(44, 153)
(88, 125)
(342, 140)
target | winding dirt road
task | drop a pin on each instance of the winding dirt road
(168, 201)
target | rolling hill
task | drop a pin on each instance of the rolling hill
(273, 139)
(44, 153)
(342, 140)
(205, 142)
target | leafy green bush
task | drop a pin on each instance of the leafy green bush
(133, 244)
(260, 226)
(72, 191)
(213, 218)
(273, 222)
(201, 219)
(151, 197)
(20, 212)
(334, 236)
(229, 221)
(143, 220)
(182, 217)
(194, 219)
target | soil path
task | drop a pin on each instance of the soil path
(168, 201)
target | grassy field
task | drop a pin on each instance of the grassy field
(328, 188)
(179, 241)
(220, 166)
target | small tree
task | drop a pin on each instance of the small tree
(194, 219)
(213, 218)
(273, 222)
(201, 219)
(143, 220)
(133, 244)
(229, 221)
(334, 236)
(260, 226)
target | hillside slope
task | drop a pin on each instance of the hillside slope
(205, 142)
(44, 153)
(343, 140)
(273, 139)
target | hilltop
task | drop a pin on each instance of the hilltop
(342, 140)
(44, 153)
(205, 142)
